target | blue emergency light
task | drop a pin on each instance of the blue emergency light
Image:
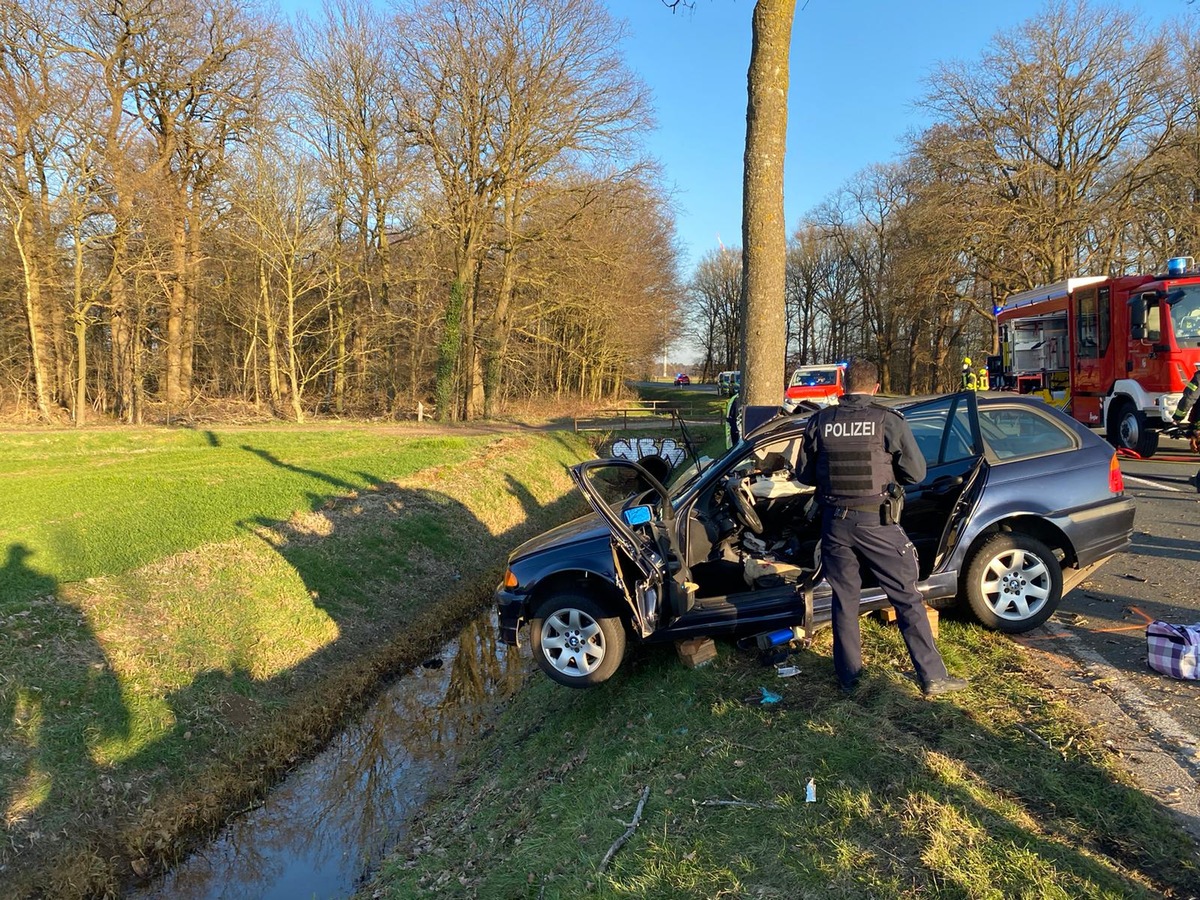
(1178, 265)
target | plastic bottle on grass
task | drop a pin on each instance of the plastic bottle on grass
(780, 636)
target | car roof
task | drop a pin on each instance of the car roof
(784, 422)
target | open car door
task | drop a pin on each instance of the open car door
(643, 538)
(947, 431)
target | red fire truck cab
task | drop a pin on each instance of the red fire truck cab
(1114, 352)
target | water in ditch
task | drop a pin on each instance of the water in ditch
(327, 827)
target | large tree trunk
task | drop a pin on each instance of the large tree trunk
(495, 332)
(293, 364)
(191, 303)
(274, 392)
(176, 302)
(79, 325)
(472, 399)
(445, 396)
(23, 237)
(764, 230)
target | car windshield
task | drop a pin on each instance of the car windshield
(684, 476)
(814, 377)
(1185, 312)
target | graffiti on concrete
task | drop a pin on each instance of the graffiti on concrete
(634, 449)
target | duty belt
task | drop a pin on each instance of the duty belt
(850, 512)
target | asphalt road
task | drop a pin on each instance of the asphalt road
(1095, 646)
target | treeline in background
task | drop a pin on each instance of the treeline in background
(348, 213)
(1070, 147)
(446, 202)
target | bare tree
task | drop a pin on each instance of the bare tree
(31, 115)
(200, 69)
(500, 95)
(287, 230)
(347, 63)
(1060, 122)
(714, 309)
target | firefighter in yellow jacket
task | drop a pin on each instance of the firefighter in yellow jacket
(969, 378)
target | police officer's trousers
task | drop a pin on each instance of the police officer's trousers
(892, 559)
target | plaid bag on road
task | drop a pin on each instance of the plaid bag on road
(1174, 649)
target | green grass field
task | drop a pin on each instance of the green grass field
(75, 505)
(182, 612)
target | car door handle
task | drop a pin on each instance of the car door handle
(943, 484)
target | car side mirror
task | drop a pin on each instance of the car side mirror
(636, 515)
(1137, 316)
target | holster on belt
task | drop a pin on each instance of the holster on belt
(893, 505)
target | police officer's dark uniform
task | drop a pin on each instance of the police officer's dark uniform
(851, 452)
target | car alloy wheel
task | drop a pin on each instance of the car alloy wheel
(575, 642)
(1014, 582)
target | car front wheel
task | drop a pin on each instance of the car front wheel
(1014, 583)
(576, 642)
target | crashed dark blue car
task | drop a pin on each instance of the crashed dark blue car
(1020, 502)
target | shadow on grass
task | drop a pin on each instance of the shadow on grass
(915, 797)
(55, 706)
(332, 481)
(398, 570)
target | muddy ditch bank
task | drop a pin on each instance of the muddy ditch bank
(326, 828)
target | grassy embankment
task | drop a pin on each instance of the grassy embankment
(185, 613)
(999, 791)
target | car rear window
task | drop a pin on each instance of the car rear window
(1017, 432)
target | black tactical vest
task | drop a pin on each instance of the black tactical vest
(853, 468)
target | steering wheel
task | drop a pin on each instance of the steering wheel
(738, 491)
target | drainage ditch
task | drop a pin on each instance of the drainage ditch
(327, 827)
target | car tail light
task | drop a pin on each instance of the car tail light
(1116, 481)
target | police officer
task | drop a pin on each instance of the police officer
(969, 381)
(852, 453)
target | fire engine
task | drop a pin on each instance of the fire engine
(1114, 352)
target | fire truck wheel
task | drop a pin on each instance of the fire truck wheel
(1127, 428)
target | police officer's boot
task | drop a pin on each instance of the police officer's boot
(940, 686)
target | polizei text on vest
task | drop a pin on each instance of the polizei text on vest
(849, 429)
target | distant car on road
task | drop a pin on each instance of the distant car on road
(682, 379)
(1019, 504)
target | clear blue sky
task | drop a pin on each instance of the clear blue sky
(857, 67)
